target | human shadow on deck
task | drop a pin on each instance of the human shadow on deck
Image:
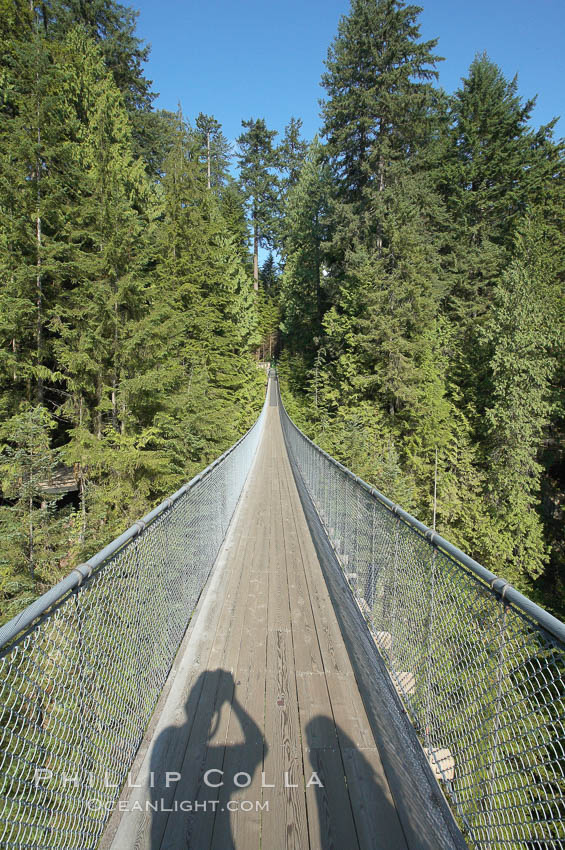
(173, 824)
(355, 809)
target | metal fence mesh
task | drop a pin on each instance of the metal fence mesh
(482, 682)
(78, 688)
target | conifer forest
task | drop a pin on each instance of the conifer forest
(405, 267)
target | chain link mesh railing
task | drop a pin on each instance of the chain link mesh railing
(82, 668)
(479, 668)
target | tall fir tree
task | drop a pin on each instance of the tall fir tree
(492, 174)
(521, 334)
(377, 97)
(292, 151)
(305, 229)
(257, 162)
(215, 149)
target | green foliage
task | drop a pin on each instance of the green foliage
(257, 160)
(268, 275)
(421, 295)
(490, 175)
(32, 532)
(112, 26)
(291, 153)
(215, 150)
(519, 334)
(127, 313)
(303, 232)
(377, 92)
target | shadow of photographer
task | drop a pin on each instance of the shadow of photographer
(190, 805)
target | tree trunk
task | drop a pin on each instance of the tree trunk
(115, 372)
(31, 551)
(38, 281)
(381, 176)
(82, 487)
(30, 508)
(255, 258)
(98, 403)
(39, 303)
(208, 147)
(318, 273)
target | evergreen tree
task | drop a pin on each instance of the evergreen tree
(15, 23)
(257, 161)
(232, 205)
(268, 276)
(31, 532)
(96, 315)
(377, 94)
(548, 222)
(400, 287)
(203, 321)
(519, 333)
(291, 152)
(112, 25)
(40, 176)
(126, 304)
(304, 232)
(492, 174)
(381, 253)
(216, 150)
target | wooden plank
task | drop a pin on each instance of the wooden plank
(374, 812)
(165, 758)
(282, 728)
(330, 819)
(316, 717)
(139, 827)
(333, 652)
(279, 604)
(423, 813)
(307, 656)
(244, 740)
(284, 826)
(349, 712)
(339, 711)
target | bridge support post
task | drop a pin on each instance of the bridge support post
(430, 658)
(497, 721)
(394, 584)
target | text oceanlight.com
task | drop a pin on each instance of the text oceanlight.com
(161, 805)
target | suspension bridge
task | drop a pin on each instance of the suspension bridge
(279, 657)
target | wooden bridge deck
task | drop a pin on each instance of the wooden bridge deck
(265, 695)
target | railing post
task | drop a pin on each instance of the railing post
(344, 486)
(356, 557)
(429, 652)
(497, 719)
(394, 587)
(372, 562)
(336, 508)
(138, 634)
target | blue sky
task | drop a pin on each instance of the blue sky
(263, 58)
